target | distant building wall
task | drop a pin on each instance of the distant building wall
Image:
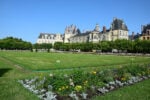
(49, 38)
(118, 30)
(145, 32)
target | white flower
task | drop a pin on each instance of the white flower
(71, 83)
(51, 75)
(57, 61)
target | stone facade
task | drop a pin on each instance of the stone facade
(70, 31)
(49, 38)
(118, 30)
(145, 32)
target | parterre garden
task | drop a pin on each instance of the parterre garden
(67, 76)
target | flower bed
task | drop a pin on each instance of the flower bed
(83, 85)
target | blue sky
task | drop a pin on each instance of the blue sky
(27, 18)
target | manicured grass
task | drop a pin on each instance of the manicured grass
(10, 89)
(139, 91)
(44, 61)
(19, 65)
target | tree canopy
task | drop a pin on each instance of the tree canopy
(137, 46)
(11, 43)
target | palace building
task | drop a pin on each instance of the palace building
(145, 32)
(49, 38)
(117, 30)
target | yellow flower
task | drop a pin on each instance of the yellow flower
(63, 87)
(123, 78)
(78, 88)
(85, 82)
(59, 89)
(66, 87)
(94, 72)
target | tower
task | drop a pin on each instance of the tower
(69, 32)
(97, 28)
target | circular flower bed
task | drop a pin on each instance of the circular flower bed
(83, 85)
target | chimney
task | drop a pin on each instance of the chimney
(104, 29)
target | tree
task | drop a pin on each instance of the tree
(11, 43)
(105, 46)
(57, 45)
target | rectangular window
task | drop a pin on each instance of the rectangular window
(143, 38)
(148, 38)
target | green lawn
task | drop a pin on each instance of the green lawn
(44, 61)
(139, 91)
(18, 65)
(10, 89)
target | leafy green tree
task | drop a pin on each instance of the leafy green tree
(11, 43)
(105, 47)
(58, 45)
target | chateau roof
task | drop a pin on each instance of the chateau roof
(145, 27)
(89, 32)
(83, 34)
(136, 36)
(48, 34)
(118, 24)
(106, 31)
